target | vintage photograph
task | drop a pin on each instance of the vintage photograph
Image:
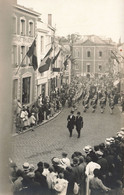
(62, 97)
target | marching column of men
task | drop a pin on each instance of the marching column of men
(75, 121)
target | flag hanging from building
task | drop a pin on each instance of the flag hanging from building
(55, 58)
(45, 63)
(115, 57)
(32, 54)
(49, 52)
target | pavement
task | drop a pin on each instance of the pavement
(52, 138)
(38, 125)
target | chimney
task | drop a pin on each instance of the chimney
(50, 19)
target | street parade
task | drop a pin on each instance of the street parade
(62, 97)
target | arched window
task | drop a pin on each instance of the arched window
(88, 54)
(31, 28)
(23, 26)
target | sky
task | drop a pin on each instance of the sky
(86, 17)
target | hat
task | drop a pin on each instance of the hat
(26, 166)
(99, 153)
(108, 141)
(87, 149)
(56, 160)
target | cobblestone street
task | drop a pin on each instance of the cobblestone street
(50, 139)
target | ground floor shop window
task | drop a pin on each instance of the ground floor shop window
(26, 90)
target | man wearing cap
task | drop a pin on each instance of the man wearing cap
(71, 122)
(79, 123)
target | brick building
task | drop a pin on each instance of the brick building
(92, 55)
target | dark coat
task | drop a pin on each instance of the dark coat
(79, 122)
(71, 122)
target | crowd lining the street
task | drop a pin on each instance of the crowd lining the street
(96, 171)
(94, 92)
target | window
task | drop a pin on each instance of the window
(100, 68)
(26, 82)
(100, 53)
(88, 54)
(15, 88)
(88, 68)
(14, 55)
(22, 26)
(31, 28)
(14, 26)
(42, 44)
(77, 53)
(22, 60)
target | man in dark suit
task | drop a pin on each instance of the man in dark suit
(79, 123)
(71, 122)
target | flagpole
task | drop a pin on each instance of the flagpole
(21, 63)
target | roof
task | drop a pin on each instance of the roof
(25, 9)
(92, 39)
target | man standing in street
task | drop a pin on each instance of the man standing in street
(71, 122)
(79, 123)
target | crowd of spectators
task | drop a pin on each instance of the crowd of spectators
(45, 107)
(94, 170)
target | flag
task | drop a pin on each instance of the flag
(115, 57)
(45, 63)
(55, 58)
(32, 53)
(46, 66)
(49, 52)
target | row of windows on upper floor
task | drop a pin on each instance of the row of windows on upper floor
(88, 68)
(19, 55)
(77, 54)
(23, 27)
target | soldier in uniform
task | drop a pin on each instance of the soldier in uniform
(79, 123)
(71, 122)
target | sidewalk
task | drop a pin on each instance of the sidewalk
(44, 122)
